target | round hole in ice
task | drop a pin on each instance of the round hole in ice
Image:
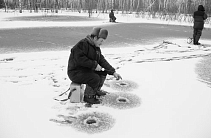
(122, 84)
(91, 121)
(122, 100)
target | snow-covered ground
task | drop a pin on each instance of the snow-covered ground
(173, 102)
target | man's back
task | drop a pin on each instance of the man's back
(199, 17)
(111, 15)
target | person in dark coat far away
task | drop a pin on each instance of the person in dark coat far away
(88, 66)
(199, 17)
(112, 18)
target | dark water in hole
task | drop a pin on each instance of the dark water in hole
(122, 100)
(92, 121)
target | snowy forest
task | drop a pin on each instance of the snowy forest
(151, 7)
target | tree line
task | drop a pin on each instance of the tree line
(125, 6)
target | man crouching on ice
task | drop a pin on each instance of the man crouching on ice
(86, 63)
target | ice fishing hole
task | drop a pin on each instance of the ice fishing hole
(91, 121)
(122, 84)
(122, 100)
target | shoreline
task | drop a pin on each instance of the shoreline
(124, 18)
(52, 24)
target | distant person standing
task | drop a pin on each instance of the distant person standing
(199, 17)
(112, 18)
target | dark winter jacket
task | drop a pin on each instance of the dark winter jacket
(199, 17)
(111, 15)
(85, 55)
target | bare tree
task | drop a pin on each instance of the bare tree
(89, 6)
(5, 5)
(20, 6)
(138, 6)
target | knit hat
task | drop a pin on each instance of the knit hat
(103, 33)
(201, 8)
(96, 31)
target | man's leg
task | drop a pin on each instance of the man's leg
(198, 35)
(85, 77)
(114, 19)
(92, 80)
(102, 75)
(194, 36)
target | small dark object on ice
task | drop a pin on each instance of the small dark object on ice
(189, 40)
(7, 59)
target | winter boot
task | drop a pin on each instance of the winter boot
(99, 91)
(197, 43)
(91, 99)
(90, 95)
